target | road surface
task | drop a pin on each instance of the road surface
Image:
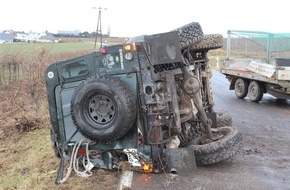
(262, 163)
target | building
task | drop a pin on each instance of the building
(20, 36)
(43, 37)
(46, 37)
(6, 37)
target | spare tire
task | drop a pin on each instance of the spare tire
(103, 108)
(189, 34)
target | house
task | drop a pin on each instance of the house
(6, 38)
(46, 37)
(32, 37)
(20, 37)
(40, 37)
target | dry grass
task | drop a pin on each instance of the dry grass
(27, 162)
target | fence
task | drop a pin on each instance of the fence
(258, 45)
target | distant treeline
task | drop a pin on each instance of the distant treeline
(81, 34)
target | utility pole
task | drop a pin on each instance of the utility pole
(99, 27)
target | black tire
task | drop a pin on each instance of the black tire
(220, 150)
(241, 88)
(209, 42)
(223, 119)
(103, 108)
(255, 91)
(189, 34)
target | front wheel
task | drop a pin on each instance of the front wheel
(223, 119)
(226, 146)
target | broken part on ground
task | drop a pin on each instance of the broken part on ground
(139, 106)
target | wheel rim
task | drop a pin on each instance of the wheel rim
(241, 88)
(101, 109)
(254, 91)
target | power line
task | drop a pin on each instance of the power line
(99, 27)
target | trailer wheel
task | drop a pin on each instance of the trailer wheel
(255, 91)
(241, 88)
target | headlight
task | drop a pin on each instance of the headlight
(129, 47)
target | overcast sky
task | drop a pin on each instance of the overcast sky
(128, 18)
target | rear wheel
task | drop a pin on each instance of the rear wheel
(226, 146)
(209, 41)
(241, 88)
(255, 91)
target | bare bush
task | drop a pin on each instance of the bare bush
(23, 100)
(10, 65)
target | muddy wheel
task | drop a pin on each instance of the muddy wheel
(189, 34)
(223, 119)
(225, 147)
(241, 88)
(255, 92)
(209, 41)
(103, 108)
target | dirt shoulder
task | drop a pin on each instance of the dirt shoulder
(27, 162)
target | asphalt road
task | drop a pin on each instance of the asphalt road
(262, 163)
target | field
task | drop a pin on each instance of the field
(31, 48)
(26, 157)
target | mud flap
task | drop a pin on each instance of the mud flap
(180, 160)
(60, 168)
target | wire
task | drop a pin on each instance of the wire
(157, 137)
(168, 179)
(74, 161)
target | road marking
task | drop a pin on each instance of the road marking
(125, 180)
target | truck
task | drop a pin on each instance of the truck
(255, 77)
(146, 104)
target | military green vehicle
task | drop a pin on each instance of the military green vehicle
(145, 102)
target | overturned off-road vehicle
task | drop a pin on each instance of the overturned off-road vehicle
(141, 103)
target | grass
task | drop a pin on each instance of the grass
(27, 162)
(31, 48)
